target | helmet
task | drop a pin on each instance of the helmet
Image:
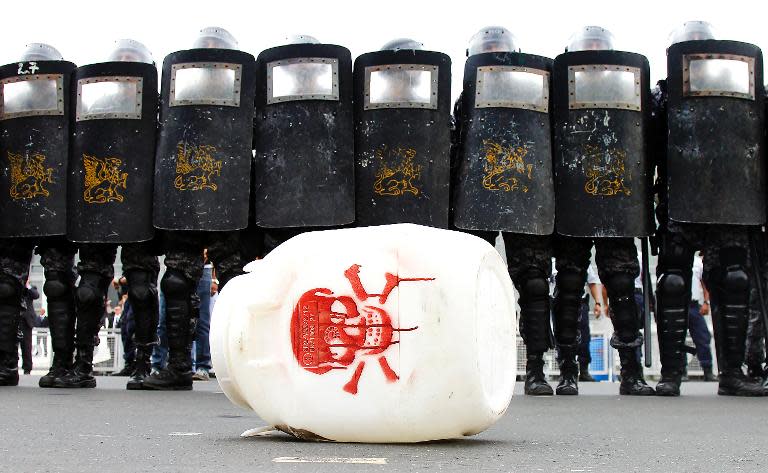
(594, 38)
(492, 39)
(214, 37)
(130, 50)
(301, 39)
(41, 52)
(691, 31)
(402, 43)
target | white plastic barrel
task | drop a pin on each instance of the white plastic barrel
(397, 333)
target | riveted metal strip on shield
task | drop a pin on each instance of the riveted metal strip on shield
(124, 95)
(719, 75)
(604, 86)
(512, 87)
(401, 86)
(32, 96)
(305, 78)
(223, 88)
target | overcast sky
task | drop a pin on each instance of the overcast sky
(84, 30)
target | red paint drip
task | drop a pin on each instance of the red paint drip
(392, 282)
(351, 386)
(389, 373)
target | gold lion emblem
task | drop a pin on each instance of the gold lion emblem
(29, 176)
(605, 171)
(195, 168)
(504, 166)
(103, 179)
(397, 180)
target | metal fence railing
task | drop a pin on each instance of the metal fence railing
(108, 356)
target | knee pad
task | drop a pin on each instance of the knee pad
(175, 285)
(671, 285)
(621, 284)
(55, 286)
(534, 289)
(9, 289)
(142, 289)
(736, 282)
(571, 282)
(89, 293)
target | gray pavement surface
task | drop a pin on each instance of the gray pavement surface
(109, 429)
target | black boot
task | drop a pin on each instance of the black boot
(584, 375)
(177, 376)
(569, 372)
(59, 290)
(10, 308)
(535, 381)
(141, 366)
(81, 375)
(632, 381)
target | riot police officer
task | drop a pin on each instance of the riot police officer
(602, 192)
(110, 200)
(402, 135)
(502, 176)
(708, 130)
(34, 143)
(202, 180)
(304, 139)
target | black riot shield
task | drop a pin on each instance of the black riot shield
(113, 153)
(204, 153)
(402, 137)
(34, 148)
(504, 170)
(303, 135)
(602, 170)
(716, 121)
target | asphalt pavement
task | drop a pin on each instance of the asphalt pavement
(109, 429)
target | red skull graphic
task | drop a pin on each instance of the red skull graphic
(334, 331)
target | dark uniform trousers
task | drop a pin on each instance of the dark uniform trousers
(617, 266)
(726, 263)
(57, 259)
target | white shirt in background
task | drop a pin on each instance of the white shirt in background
(697, 293)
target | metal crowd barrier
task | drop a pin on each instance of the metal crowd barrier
(108, 357)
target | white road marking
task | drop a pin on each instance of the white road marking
(359, 461)
(184, 434)
(96, 436)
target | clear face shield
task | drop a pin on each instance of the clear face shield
(492, 39)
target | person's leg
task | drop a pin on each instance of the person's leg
(57, 257)
(184, 263)
(160, 351)
(26, 347)
(529, 259)
(618, 267)
(585, 338)
(702, 339)
(96, 269)
(726, 275)
(141, 267)
(15, 258)
(202, 350)
(572, 259)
